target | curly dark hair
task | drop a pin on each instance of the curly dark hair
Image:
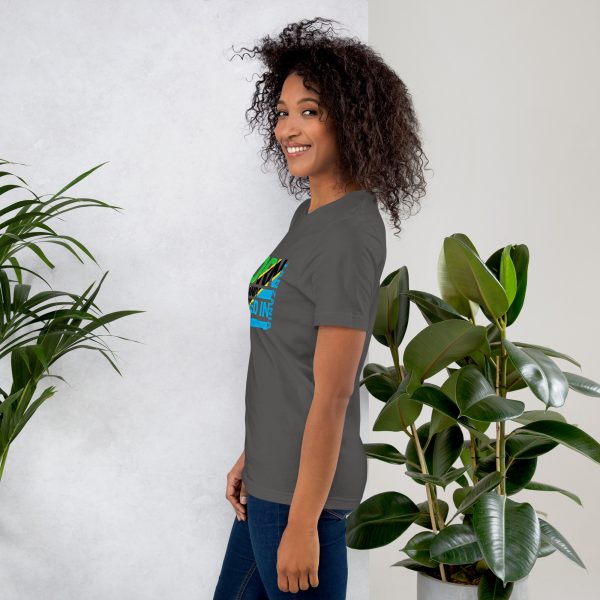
(378, 140)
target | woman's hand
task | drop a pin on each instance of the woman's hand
(298, 558)
(236, 490)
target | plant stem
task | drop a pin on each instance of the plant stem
(429, 488)
(431, 496)
(4, 455)
(501, 361)
(473, 457)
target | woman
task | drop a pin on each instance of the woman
(339, 124)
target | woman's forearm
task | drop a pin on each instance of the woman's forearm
(318, 458)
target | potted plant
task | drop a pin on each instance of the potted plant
(485, 546)
(36, 330)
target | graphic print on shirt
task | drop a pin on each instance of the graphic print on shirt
(263, 290)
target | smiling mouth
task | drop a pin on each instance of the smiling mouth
(297, 152)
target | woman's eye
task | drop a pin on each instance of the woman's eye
(309, 110)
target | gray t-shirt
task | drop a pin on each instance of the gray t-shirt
(325, 271)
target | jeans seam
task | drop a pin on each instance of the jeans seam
(331, 512)
(245, 582)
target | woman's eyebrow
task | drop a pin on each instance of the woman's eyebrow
(280, 101)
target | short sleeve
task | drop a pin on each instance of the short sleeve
(345, 276)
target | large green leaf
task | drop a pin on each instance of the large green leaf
(519, 255)
(473, 279)
(508, 275)
(379, 520)
(508, 534)
(418, 548)
(486, 484)
(379, 381)
(441, 344)
(466, 387)
(447, 446)
(565, 434)
(544, 487)
(583, 385)
(495, 408)
(432, 308)
(399, 412)
(424, 518)
(544, 349)
(441, 481)
(492, 588)
(384, 452)
(539, 415)
(450, 292)
(519, 472)
(433, 396)
(456, 545)
(411, 564)
(559, 542)
(393, 308)
(470, 387)
(524, 444)
(541, 373)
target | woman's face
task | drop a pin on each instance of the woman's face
(302, 122)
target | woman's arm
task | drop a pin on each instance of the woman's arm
(337, 352)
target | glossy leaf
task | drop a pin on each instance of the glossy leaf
(441, 344)
(447, 446)
(473, 279)
(450, 292)
(547, 351)
(442, 481)
(519, 255)
(424, 519)
(565, 434)
(379, 381)
(484, 485)
(544, 487)
(559, 542)
(508, 275)
(456, 545)
(379, 520)
(411, 564)
(528, 445)
(495, 408)
(583, 385)
(399, 413)
(539, 415)
(432, 308)
(519, 472)
(492, 588)
(470, 386)
(417, 548)
(508, 534)
(393, 308)
(384, 452)
(541, 373)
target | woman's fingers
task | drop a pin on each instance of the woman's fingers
(233, 495)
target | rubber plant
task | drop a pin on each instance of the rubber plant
(490, 538)
(36, 330)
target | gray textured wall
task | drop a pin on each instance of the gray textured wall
(115, 489)
(508, 95)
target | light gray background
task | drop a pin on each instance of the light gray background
(508, 95)
(116, 488)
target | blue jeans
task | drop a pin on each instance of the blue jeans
(249, 570)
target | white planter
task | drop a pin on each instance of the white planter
(430, 588)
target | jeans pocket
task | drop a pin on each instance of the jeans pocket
(337, 513)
